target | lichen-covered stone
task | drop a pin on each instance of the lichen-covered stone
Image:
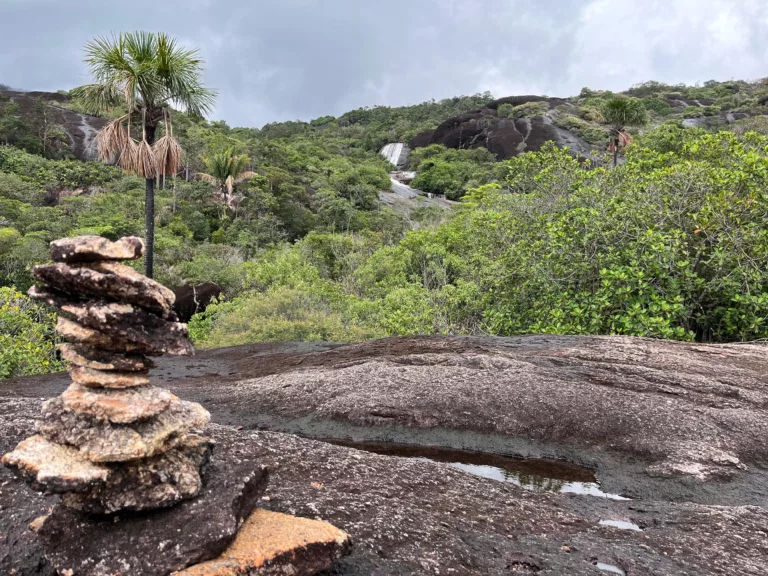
(102, 441)
(93, 248)
(127, 324)
(142, 544)
(91, 378)
(147, 484)
(96, 359)
(53, 467)
(82, 335)
(118, 406)
(274, 543)
(108, 279)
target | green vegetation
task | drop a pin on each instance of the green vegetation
(27, 338)
(671, 243)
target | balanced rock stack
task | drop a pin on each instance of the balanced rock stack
(112, 441)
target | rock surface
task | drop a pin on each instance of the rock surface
(274, 543)
(126, 325)
(117, 406)
(54, 467)
(104, 360)
(597, 402)
(94, 248)
(101, 441)
(504, 137)
(107, 279)
(91, 378)
(147, 484)
(158, 543)
(191, 300)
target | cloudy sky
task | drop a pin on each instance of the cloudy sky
(277, 60)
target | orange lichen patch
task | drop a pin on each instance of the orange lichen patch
(268, 541)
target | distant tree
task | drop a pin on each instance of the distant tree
(225, 170)
(10, 125)
(618, 113)
(144, 74)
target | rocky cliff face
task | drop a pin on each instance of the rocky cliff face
(80, 128)
(545, 119)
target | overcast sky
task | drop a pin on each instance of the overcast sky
(275, 60)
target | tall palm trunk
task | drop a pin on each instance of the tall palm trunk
(149, 215)
(615, 152)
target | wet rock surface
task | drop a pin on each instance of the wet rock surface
(157, 543)
(655, 419)
(622, 407)
(409, 517)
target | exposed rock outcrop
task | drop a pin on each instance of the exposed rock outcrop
(397, 154)
(191, 300)
(112, 441)
(80, 128)
(504, 137)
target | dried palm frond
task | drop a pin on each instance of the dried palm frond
(145, 161)
(168, 154)
(207, 178)
(243, 176)
(128, 155)
(111, 139)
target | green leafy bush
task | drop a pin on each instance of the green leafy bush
(27, 337)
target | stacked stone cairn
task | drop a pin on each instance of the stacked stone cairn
(112, 441)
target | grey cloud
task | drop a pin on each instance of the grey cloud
(299, 59)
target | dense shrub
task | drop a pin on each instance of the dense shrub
(27, 337)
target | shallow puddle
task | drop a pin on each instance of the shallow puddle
(610, 568)
(621, 525)
(534, 475)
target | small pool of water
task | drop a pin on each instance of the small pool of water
(621, 525)
(532, 474)
(610, 568)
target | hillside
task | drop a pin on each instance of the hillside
(320, 244)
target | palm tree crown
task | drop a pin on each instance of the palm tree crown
(620, 112)
(225, 169)
(144, 74)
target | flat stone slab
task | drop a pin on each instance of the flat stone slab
(273, 543)
(96, 359)
(149, 484)
(108, 279)
(127, 324)
(84, 336)
(161, 542)
(102, 441)
(118, 406)
(54, 467)
(91, 378)
(94, 248)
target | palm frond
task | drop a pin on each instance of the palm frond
(245, 176)
(167, 155)
(207, 178)
(145, 161)
(111, 140)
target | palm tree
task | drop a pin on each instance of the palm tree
(620, 112)
(143, 74)
(225, 169)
